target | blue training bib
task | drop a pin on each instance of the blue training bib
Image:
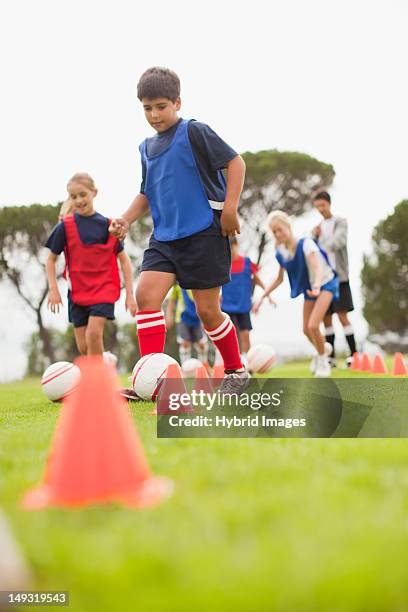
(178, 202)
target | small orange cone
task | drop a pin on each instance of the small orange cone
(96, 455)
(355, 362)
(173, 384)
(379, 366)
(365, 365)
(399, 367)
(202, 381)
(218, 370)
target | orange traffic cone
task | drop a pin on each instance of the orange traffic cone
(379, 366)
(365, 365)
(173, 384)
(202, 381)
(96, 455)
(355, 362)
(399, 367)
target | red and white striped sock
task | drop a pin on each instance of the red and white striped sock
(151, 331)
(225, 339)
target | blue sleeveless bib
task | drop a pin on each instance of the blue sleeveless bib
(236, 295)
(178, 202)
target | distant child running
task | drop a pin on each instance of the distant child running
(91, 254)
(194, 211)
(309, 274)
(237, 295)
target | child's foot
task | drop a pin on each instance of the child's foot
(323, 369)
(348, 362)
(129, 394)
(328, 349)
(235, 381)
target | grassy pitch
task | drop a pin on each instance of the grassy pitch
(253, 525)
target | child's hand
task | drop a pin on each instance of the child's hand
(314, 292)
(54, 300)
(317, 231)
(271, 301)
(229, 223)
(119, 228)
(257, 305)
(131, 305)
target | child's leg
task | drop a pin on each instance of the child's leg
(151, 290)
(80, 339)
(244, 340)
(218, 326)
(202, 350)
(318, 310)
(185, 351)
(329, 331)
(348, 331)
(94, 335)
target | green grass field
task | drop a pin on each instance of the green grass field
(253, 525)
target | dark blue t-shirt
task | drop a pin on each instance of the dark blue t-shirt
(92, 230)
(210, 152)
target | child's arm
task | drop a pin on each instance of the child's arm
(235, 183)
(258, 281)
(139, 207)
(317, 275)
(127, 272)
(278, 281)
(54, 297)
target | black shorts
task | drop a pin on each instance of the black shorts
(345, 301)
(241, 320)
(200, 261)
(79, 315)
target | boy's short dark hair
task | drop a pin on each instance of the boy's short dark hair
(322, 195)
(158, 82)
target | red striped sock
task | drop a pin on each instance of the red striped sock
(225, 339)
(151, 331)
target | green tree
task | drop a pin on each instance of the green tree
(278, 180)
(23, 232)
(384, 275)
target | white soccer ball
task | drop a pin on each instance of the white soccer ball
(147, 372)
(60, 379)
(109, 357)
(261, 358)
(190, 366)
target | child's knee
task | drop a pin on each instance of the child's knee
(144, 301)
(313, 327)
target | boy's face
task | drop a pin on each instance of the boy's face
(323, 206)
(82, 198)
(161, 113)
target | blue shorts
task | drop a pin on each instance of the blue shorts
(191, 333)
(241, 320)
(332, 286)
(79, 315)
(200, 261)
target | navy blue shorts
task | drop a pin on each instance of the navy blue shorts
(200, 261)
(241, 320)
(79, 315)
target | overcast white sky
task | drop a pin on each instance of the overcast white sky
(326, 77)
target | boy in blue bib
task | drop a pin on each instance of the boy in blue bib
(194, 211)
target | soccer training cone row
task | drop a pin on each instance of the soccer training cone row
(355, 362)
(379, 366)
(96, 455)
(172, 396)
(365, 365)
(399, 367)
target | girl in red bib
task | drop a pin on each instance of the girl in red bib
(91, 255)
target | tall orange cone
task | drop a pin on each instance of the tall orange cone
(96, 455)
(365, 365)
(202, 381)
(399, 367)
(379, 366)
(173, 383)
(355, 362)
